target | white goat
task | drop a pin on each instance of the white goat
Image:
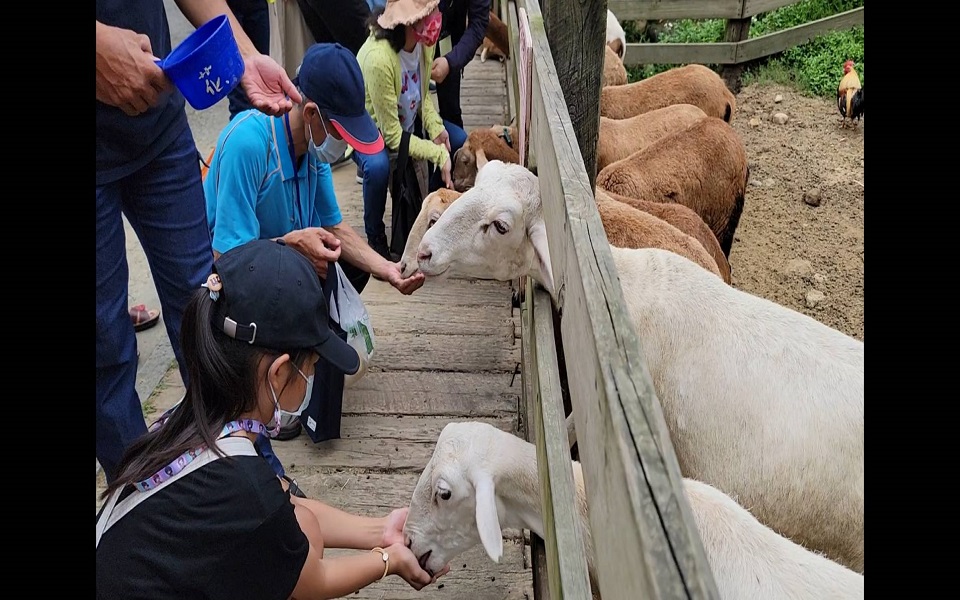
(616, 36)
(761, 401)
(481, 480)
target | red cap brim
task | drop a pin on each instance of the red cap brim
(361, 147)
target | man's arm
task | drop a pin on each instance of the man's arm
(357, 252)
(477, 20)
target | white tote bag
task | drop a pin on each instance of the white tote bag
(289, 35)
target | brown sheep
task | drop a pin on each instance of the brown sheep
(497, 144)
(692, 84)
(683, 219)
(619, 138)
(431, 209)
(703, 167)
(496, 37)
(614, 72)
(628, 227)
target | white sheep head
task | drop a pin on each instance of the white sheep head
(456, 490)
(495, 230)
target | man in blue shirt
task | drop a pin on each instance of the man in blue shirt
(148, 170)
(270, 178)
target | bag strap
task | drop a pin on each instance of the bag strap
(403, 152)
(114, 511)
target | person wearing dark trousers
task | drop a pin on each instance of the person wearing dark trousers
(465, 22)
(255, 21)
(342, 22)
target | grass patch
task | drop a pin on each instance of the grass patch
(814, 68)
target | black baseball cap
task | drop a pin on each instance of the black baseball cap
(271, 297)
(330, 76)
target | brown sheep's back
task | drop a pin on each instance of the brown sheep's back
(703, 168)
(691, 84)
(628, 227)
(614, 73)
(683, 219)
(619, 138)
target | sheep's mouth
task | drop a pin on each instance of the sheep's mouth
(423, 561)
(432, 272)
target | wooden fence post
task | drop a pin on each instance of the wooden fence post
(737, 30)
(576, 30)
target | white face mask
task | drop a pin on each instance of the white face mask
(306, 396)
(331, 150)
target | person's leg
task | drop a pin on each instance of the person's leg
(254, 18)
(343, 21)
(376, 176)
(448, 99)
(119, 415)
(458, 138)
(164, 204)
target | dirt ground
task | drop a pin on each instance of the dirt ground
(787, 248)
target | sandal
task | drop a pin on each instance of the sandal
(142, 318)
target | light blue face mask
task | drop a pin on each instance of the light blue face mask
(306, 396)
(331, 150)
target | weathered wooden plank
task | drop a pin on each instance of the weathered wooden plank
(755, 7)
(375, 443)
(772, 43)
(566, 552)
(721, 53)
(577, 31)
(440, 293)
(472, 102)
(528, 430)
(465, 353)
(631, 10)
(400, 317)
(508, 14)
(645, 540)
(472, 575)
(467, 395)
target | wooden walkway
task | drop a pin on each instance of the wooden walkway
(449, 352)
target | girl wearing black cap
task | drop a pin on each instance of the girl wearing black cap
(193, 511)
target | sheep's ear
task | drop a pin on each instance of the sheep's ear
(481, 158)
(488, 522)
(538, 236)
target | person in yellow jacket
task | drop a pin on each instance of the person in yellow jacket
(395, 61)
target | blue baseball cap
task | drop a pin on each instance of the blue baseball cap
(330, 76)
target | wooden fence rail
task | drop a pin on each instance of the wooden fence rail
(739, 48)
(646, 544)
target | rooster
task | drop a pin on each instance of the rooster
(850, 95)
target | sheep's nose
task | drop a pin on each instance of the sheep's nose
(409, 542)
(403, 266)
(424, 254)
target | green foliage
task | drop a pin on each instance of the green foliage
(815, 67)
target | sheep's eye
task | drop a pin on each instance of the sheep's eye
(445, 494)
(500, 226)
(430, 224)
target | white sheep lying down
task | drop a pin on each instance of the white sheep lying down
(481, 480)
(761, 401)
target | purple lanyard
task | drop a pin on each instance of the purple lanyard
(187, 457)
(296, 174)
